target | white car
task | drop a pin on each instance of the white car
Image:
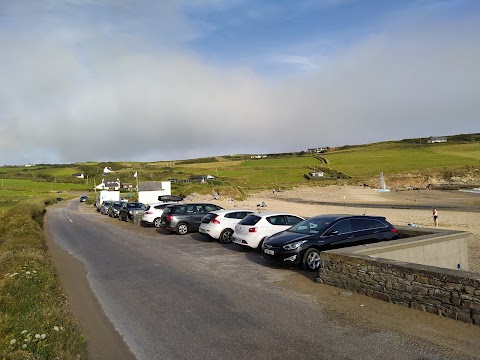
(153, 213)
(220, 224)
(254, 228)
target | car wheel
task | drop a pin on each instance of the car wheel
(311, 259)
(226, 236)
(157, 222)
(182, 229)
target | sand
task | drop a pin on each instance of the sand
(457, 210)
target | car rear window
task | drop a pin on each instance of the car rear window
(134, 205)
(250, 220)
(208, 217)
(237, 215)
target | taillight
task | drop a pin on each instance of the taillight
(254, 229)
(169, 217)
(214, 220)
(394, 231)
(149, 212)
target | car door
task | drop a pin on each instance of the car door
(338, 235)
(198, 212)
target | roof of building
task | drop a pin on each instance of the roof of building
(150, 186)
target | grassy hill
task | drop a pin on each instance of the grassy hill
(411, 162)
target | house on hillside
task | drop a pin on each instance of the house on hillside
(149, 191)
(317, 150)
(107, 170)
(437, 139)
(316, 174)
(127, 186)
(258, 156)
(79, 176)
(201, 178)
(108, 185)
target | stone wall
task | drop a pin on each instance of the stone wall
(450, 293)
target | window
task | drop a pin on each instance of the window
(342, 227)
(292, 220)
(250, 220)
(212, 207)
(366, 224)
(277, 220)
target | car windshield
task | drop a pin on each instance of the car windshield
(312, 226)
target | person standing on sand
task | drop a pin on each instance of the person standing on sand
(435, 216)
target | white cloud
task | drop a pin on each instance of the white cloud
(118, 101)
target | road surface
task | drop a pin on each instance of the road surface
(155, 295)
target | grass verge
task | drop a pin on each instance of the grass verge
(35, 320)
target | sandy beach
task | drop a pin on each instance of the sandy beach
(457, 210)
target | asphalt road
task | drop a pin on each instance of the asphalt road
(186, 297)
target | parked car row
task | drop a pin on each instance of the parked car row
(280, 237)
(290, 239)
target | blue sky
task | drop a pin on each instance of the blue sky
(183, 79)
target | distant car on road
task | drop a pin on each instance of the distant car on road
(220, 224)
(83, 198)
(251, 231)
(184, 218)
(301, 244)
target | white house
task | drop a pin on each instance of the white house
(149, 191)
(437, 139)
(316, 174)
(108, 185)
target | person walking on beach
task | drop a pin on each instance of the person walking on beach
(435, 216)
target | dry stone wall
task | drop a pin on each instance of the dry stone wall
(451, 293)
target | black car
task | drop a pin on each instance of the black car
(83, 198)
(184, 218)
(128, 208)
(302, 243)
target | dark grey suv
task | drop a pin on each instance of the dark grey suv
(184, 218)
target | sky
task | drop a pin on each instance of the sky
(153, 80)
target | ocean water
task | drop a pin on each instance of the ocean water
(474, 190)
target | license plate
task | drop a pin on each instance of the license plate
(269, 252)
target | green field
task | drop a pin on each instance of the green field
(239, 173)
(370, 160)
(13, 191)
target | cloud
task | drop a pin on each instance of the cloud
(119, 99)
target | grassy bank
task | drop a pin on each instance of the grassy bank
(35, 322)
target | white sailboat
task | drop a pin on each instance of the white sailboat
(381, 184)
